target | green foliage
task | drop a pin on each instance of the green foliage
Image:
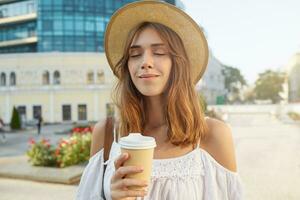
(203, 102)
(213, 114)
(41, 153)
(234, 81)
(15, 122)
(269, 85)
(71, 151)
(232, 75)
(294, 116)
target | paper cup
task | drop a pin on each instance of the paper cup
(140, 149)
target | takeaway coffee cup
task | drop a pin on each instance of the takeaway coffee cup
(140, 149)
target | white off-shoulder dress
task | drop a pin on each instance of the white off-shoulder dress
(193, 176)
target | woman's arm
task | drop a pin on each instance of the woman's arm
(97, 137)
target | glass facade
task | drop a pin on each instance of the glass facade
(19, 49)
(18, 8)
(61, 25)
(18, 31)
(74, 25)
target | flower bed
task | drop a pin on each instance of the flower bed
(71, 151)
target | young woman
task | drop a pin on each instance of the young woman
(158, 53)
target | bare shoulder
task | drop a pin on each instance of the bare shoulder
(219, 144)
(97, 137)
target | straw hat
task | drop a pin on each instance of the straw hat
(132, 14)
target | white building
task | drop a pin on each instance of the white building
(293, 71)
(64, 87)
(212, 84)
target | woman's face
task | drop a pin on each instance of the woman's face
(149, 63)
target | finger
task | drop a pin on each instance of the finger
(135, 193)
(127, 182)
(129, 193)
(123, 171)
(120, 160)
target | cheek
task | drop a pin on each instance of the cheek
(169, 67)
(130, 69)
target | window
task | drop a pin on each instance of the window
(3, 79)
(31, 31)
(37, 111)
(22, 112)
(100, 76)
(3, 12)
(12, 78)
(56, 78)
(82, 112)
(47, 25)
(30, 7)
(90, 77)
(66, 112)
(46, 78)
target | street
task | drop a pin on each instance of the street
(16, 143)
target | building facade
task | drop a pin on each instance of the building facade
(52, 59)
(212, 84)
(64, 87)
(293, 71)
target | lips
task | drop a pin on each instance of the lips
(148, 75)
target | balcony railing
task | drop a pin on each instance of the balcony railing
(18, 19)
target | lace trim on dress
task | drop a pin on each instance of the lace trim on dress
(188, 165)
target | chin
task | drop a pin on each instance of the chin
(151, 93)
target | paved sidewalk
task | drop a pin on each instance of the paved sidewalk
(18, 167)
(13, 189)
(268, 156)
(267, 151)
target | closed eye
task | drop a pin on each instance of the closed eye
(159, 54)
(137, 55)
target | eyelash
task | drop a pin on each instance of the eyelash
(158, 54)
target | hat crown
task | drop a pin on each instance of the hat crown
(132, 14)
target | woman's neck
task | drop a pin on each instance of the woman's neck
(154, 112)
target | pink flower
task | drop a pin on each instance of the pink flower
(45, 141)
(57, 151)
(31, 141)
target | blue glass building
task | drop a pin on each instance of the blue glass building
(56, 25)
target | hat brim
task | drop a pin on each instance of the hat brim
(132, 14)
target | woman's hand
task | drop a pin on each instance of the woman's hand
(119, 183)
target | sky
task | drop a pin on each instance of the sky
(251, 35)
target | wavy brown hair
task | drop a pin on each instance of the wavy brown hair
(182, 110)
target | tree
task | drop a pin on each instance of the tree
(269, 85)
(234, 81)
(15, 122)
(202, 102)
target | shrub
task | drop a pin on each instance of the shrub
(71, 151)
(82, 129)
(202, 102)
(74, 150)
(294, 116)
(15, 122)
(41, 153)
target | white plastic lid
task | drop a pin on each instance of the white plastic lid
(137, 141)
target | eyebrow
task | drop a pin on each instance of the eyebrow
(152, 45)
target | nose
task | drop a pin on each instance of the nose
(147, 61)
